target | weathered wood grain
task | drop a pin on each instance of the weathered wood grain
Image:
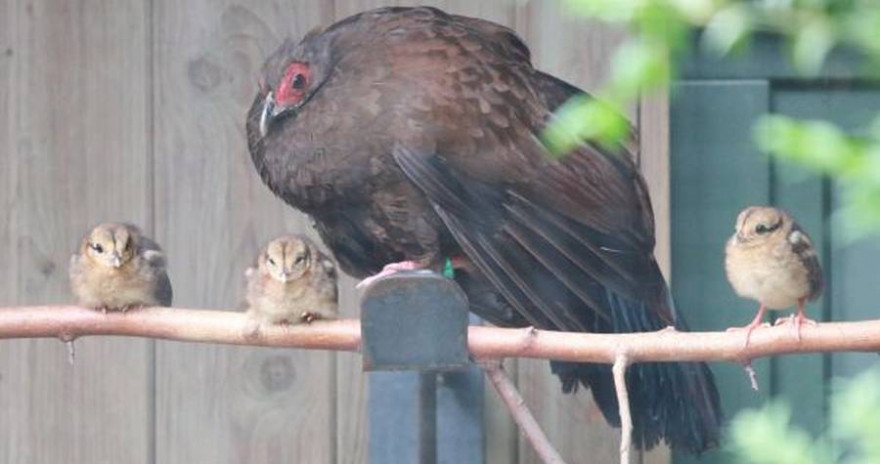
(135, 111)
(8, 44)
(654, 164)
(218, 404)
(73, 113)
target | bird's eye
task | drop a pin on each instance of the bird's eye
(271, 261)
(298, 81)
(97, 247)
(293, 84)
(761, 229)
(300, 259)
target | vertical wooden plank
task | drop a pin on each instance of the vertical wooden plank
(10, 352)
(575, 49)
(73, 82)
(715, 171)
(573, 423)
(352, 390)
(654, 165)
(502, 434)
(7, 149)
(224, 404)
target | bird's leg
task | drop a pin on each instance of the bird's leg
(391, 269)
(309, 317)
(755, 323)
(799, 320)
(135, 307)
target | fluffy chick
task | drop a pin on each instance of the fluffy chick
(117, 268)
(770, 259)
(293, 282)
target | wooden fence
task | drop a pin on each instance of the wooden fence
(133, 110)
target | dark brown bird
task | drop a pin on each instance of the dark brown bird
(410, 135)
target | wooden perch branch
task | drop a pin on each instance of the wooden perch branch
(207, 326)
(485, 343)
(187, 325)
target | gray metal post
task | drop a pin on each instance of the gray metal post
(417, 323)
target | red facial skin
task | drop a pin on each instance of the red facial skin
(293, 84)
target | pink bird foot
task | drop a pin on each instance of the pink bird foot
(388, 270)
(798, 320)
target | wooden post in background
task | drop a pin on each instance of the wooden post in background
(135, 111)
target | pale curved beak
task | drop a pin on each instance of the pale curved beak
(115, 259)
(268, 113)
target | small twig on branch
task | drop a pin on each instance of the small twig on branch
(228, 327)
(521, 414)
(626, 424)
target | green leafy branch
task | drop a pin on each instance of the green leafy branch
(661, 34)
(766, 435)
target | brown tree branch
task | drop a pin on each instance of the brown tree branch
(486, 343)
(207, 326)
(521, 414)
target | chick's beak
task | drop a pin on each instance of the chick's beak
(268, 113)
(115, 259)
(285, 276)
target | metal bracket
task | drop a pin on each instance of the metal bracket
(414, 321)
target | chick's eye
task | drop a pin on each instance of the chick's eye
(271, 261)
(97, 247)
(761, 229)
(300, 259)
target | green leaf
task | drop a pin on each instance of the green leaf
(637, 66)
(582, 119)
(811, 45)
(727, 29)
(618, 11)
(819, 145)
(766, 436)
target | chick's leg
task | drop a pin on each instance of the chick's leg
(800, 319)
(755, 323)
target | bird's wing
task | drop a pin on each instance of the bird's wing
(554, 266)
(164, 292)
(803, 248)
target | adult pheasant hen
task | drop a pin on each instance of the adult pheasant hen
(411, 135)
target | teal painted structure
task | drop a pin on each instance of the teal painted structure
(716, 170)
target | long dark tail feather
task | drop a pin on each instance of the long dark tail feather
(677, 401)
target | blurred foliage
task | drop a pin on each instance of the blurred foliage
(660, 34)
(766, 435)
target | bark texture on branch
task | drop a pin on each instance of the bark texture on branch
(209, 326)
